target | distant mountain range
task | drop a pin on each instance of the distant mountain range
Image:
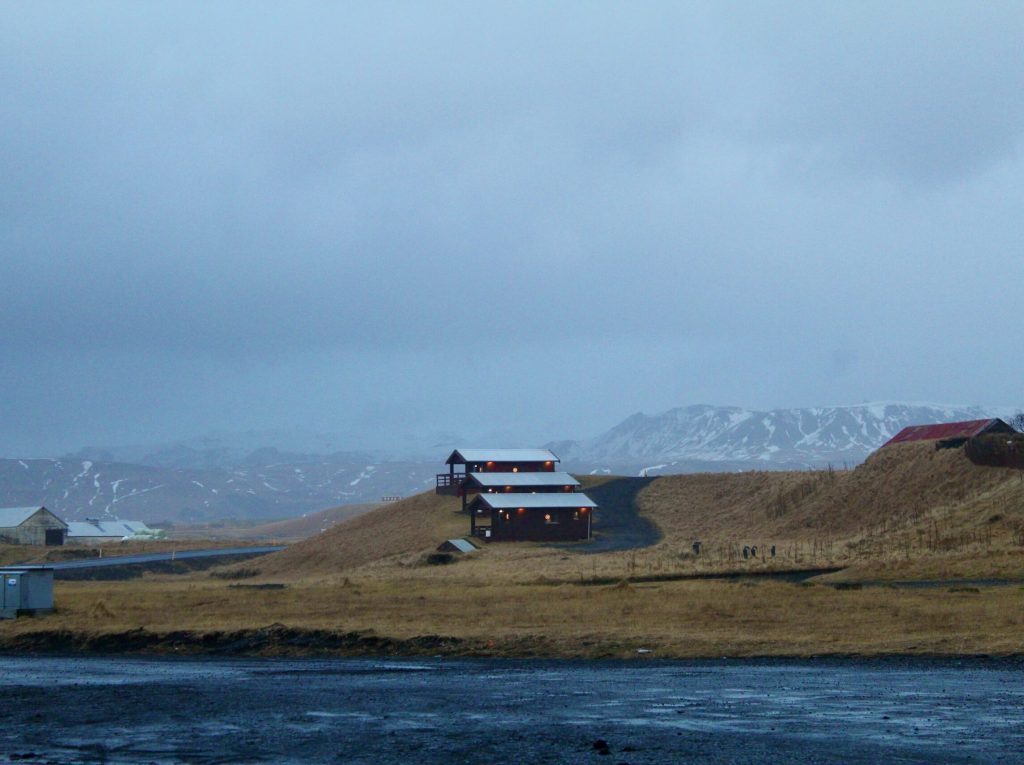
(268, 475)
(76, 489)
(715, 438)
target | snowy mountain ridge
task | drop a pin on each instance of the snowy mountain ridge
(777, 438)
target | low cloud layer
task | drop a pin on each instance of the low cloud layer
(392, 218)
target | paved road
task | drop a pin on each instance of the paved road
(617, 523)
(127, 560)
(123, 710)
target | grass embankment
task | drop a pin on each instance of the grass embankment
(672, 619)
(909, 512)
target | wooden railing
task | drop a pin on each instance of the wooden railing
(450, 479)
(450, 483)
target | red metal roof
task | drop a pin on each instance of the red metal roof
(943, 430)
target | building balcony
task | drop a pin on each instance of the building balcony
(450, 484)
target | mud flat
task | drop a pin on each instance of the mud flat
(429, 710)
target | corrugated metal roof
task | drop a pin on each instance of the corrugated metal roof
(556, 499)
(465, 456)
(462, 545)
(522, 479)
(112, 529)
(15, 516)
(937, 431)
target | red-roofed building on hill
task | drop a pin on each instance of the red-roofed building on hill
(949, 434)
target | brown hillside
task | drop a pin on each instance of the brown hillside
(904, 489)
(907, 500)
(414, 524)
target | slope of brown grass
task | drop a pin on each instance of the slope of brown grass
(907, 500)
(415, 524)
(907, 503)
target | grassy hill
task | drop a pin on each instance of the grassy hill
(287, 530)
(415, 524)
(365, 585)
(908, 502)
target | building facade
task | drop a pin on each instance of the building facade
(519, 495)
(31, 526)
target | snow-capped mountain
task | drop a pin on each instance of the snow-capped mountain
(76, 489)
(685, 438)
(258, 476)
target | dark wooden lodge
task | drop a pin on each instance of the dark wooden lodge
(492, 461)
(551, 516)
(520, 495)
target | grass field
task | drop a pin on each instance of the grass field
(910, 512)
(671, 619)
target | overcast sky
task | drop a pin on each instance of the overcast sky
(535, 218)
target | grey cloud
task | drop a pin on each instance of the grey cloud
(333, 208)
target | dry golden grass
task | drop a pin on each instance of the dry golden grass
(416, 524)
(908, 505)
(908, 512)
(906, 502)
(679, 619)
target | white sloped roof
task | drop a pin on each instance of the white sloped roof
(462, 545)
(511, 501)
(523, 479)
(113, 529)
(15, 516)
(465, 456)
(85, 529)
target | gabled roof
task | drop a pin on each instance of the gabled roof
(466, 456)
(15, 516)
(943, 430)
(487, 480)
(511, 501)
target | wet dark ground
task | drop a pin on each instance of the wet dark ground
(118, 710)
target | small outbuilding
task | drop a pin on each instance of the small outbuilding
(27, 591)
(31, 526)
(457, 545)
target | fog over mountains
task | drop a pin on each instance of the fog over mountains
(269, 474)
